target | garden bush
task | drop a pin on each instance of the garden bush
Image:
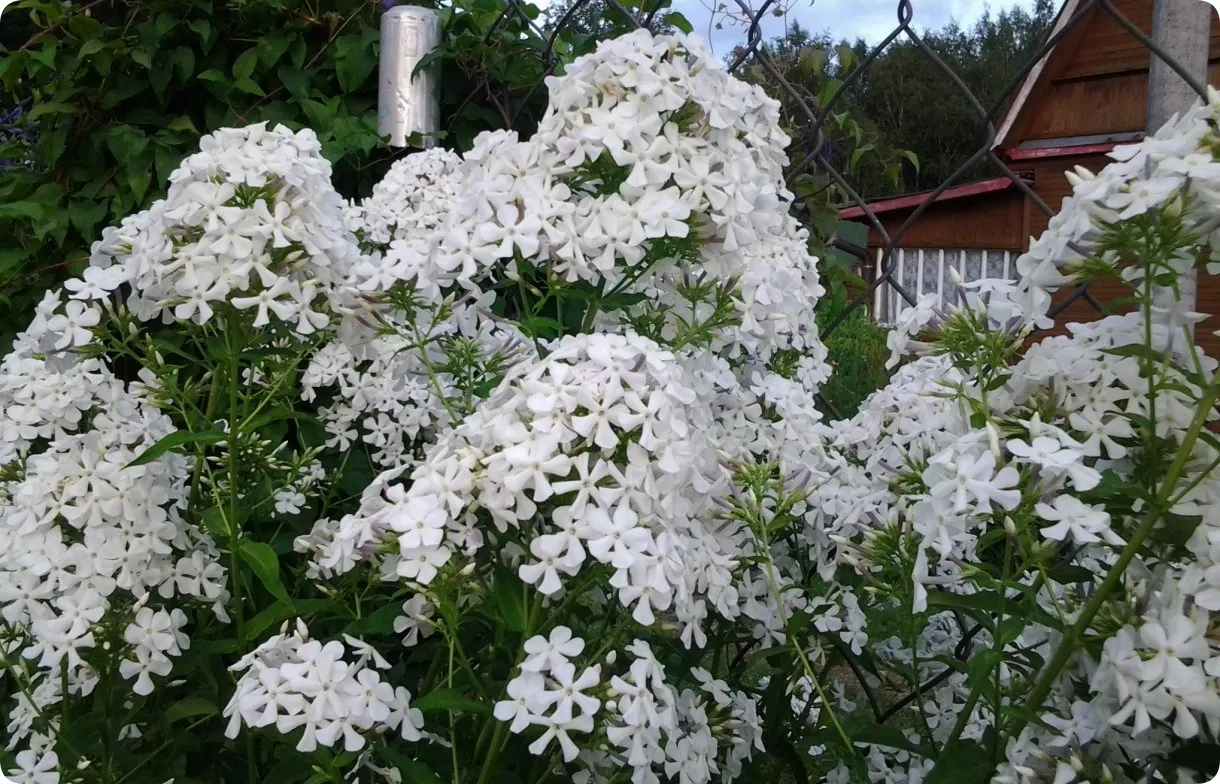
(857, 351)
(114, 94)
(100, 101)
(512, 472)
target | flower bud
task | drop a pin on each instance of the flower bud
(993, 440)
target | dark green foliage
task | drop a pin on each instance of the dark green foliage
(911, 101)
(116, 92)
(858, 354)
(495, 58)
(903, 125)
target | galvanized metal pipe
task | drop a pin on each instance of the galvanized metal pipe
(407, 102)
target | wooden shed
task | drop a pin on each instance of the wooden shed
(1089, 94)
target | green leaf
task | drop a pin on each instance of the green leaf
(183, 58)
(1198, 755)
(979, 669)
(174, 440)
(212, 75)
(280, 612)
(248, 86)
(508, 600)
(90, 47)
(191, 706)
(294, 80)
(446, 700)
(272, 47)
(376, 624)
(961, 762)
(354, 61)
(881, 735)
(679, 22)
(243, 67)
(202, 28)
(1011, 628)
(85, 215)
(21, 209)
(1068, 573)
(321, 115)
(412, 770)
(45, 55)
(10, 259)
(166, 160)
(214, 520)
(266, 566)
(165, 22)
(51, 107)
(182, 123)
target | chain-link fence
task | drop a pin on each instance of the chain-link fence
(881, 262)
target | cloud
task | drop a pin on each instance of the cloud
(871, 20)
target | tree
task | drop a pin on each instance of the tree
(913, 103)
(600, 20)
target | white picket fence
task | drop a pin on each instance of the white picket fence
(926, 270)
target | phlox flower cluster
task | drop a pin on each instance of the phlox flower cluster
(654, 176)
(955, 456)
(602, 436)
(647, 725)
(413, 199)
(251, 219)
(397, 388)
(95, 556)
(657, 180)
(565, 354)
(335, 693)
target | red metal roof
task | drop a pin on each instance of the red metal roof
(1016, 154)
(915, 199)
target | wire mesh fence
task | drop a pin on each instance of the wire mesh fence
(815, 114)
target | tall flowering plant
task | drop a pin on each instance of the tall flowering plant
(512, 472)
(1042, 515)
(488, 477)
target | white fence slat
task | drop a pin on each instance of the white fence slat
(940, 277)
(879, 293)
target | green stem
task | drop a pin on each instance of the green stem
(135, 769)
(231, 522)
(497, 741)
(827, 708)
(927, 728)
(999, 649)
(963, 718)
(497, 738)
(1071, 641)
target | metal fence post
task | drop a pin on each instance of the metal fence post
(407, 102)
(1182, 28)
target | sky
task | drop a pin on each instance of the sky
(870, 19)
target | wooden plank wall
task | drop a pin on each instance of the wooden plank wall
(1053, 187)
(1096, 83)
(987, 221)
(1097, 80)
